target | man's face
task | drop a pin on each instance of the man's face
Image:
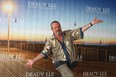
(56, 28)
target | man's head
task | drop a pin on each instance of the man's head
(56, 28)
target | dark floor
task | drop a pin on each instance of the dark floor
(12, 65)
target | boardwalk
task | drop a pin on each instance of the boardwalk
(12, 65)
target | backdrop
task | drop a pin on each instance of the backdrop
(30, 19)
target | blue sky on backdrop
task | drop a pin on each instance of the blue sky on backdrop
(31, 18)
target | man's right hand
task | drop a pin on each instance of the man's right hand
(29, 64)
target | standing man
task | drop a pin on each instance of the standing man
(61, 46)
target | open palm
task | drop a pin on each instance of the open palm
(95, 21)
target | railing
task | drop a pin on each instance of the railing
(96, 53)
(85, 53)
(34, 47)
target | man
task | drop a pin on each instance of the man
(60, 45)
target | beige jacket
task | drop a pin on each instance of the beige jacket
(54, 48)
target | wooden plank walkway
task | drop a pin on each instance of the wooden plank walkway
(14, 67)
(12, 64)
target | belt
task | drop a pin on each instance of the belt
(72, 65)
(58, 63)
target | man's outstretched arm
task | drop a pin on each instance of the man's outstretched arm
(95, 21)
(31, 61)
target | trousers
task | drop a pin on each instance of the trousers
(65, 71)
